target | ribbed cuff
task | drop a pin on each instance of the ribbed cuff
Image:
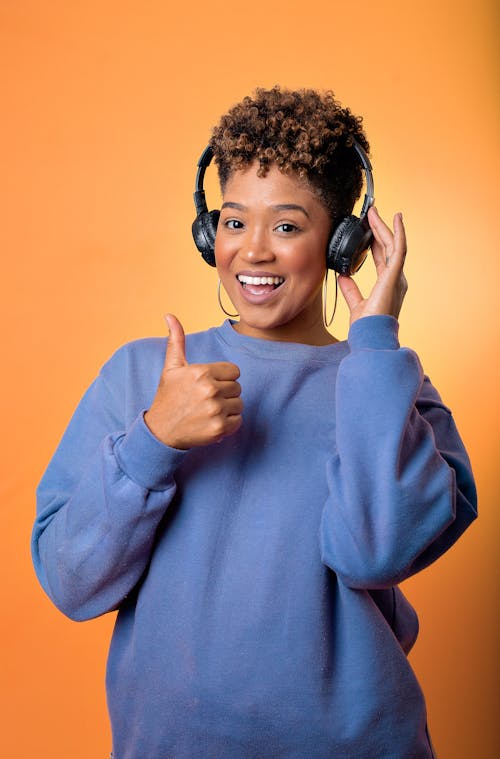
(378, 332)
(145, 459)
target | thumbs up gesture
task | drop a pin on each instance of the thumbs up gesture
(195, 404)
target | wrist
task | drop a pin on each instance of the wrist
(145, 458)
(154, 424)
(375, 331)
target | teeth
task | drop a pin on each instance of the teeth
(260, 280)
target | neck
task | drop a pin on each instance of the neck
(302, 330)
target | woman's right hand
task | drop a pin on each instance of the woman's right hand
(195, 404)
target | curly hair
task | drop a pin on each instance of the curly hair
(305, 132)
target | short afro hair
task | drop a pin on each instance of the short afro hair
(305, 132)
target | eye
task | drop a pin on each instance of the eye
(233, 224)
(287, 228)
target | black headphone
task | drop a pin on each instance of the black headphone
(348, 244)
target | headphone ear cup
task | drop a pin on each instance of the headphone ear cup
(204, 229)
(348, 245)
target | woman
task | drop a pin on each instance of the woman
(250, 497)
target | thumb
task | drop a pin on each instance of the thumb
(350, 291)
(176, 350)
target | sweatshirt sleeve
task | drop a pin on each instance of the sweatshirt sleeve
(100, 501)
(401, 490)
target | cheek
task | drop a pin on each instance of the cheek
(308, 267)
(223, 255)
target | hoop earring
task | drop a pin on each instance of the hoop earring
(220, 301)
(325, 295)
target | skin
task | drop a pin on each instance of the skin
(256, 234)
(200, 404)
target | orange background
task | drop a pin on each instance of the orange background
(106, 108)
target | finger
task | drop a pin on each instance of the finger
(176, 347)
(224, 371)
(399, 236)
(383, 242)
(233, 406)
(233, 423)
(396, 252)
(229, 389)
(392, 250)
(379, 227)
(350, 291)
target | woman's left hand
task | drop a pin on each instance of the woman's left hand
(388, 292)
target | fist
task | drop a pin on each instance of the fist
(195, 404)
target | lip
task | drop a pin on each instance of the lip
(258, 300)
(258, 273)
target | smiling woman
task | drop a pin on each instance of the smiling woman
(246, 509)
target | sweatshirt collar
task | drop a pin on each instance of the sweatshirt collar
(298, 352)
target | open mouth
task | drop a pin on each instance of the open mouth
(260, 285)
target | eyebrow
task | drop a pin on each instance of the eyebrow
(279, 207)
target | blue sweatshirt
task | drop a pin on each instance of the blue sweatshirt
(255, 579)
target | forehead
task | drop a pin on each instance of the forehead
(245, 185)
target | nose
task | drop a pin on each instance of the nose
(257, 247)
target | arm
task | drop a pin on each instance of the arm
(108, 486)
(100, 501)
(401, 488)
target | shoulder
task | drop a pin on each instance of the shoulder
(145, 352)
(145, 347)
(150, 351)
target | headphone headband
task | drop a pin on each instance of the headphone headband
(199, 193)
(369, 195)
